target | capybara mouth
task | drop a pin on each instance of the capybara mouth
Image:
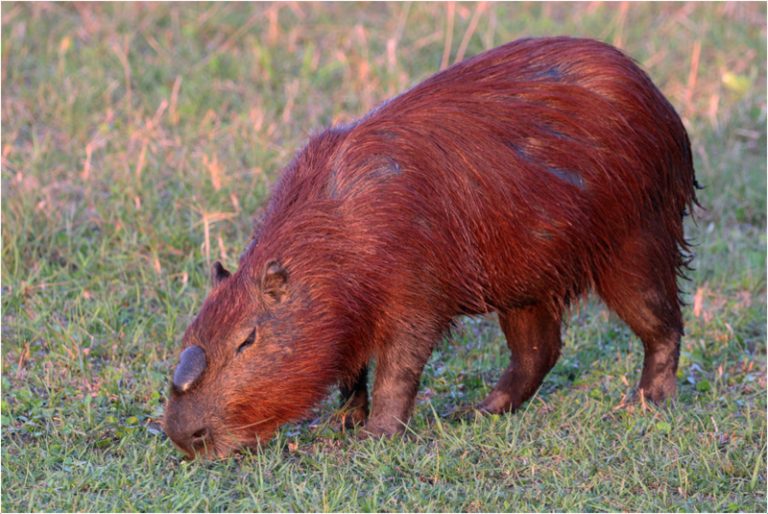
(212, 449)
(218, 445)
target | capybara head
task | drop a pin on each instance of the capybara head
(236, 379)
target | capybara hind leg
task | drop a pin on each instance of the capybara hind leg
(398, 371)
(354, 399)
(641, 287)
(533, 337)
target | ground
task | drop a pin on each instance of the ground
(139, 139)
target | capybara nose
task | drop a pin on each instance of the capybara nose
(200, 439)
(191, 442)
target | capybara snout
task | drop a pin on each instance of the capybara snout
(513, 182)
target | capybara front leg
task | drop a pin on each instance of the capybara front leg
(354, 399)
(398, 372)
(533, 338)
(641, 287)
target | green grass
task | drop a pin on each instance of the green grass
(138, 140)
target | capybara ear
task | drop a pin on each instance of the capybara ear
(274, 281)
(218, 274)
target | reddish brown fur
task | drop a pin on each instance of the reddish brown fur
(515, 182)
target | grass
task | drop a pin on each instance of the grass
(138, 140)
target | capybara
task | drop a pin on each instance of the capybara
(513, 182)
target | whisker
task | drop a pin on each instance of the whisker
(261, 422)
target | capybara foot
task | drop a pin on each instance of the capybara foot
(658, 391)
(379, 429)
(349, 418)
(497, 402)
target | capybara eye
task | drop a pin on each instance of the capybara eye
(248, 342)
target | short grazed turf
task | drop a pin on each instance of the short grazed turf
(139, 139)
